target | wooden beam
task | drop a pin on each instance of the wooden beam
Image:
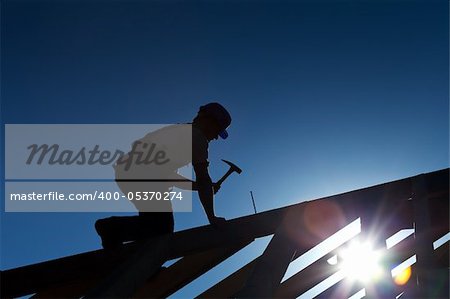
(133, 273)
(230, 285)
(270, 267)
(168, 279)
(184, 271)
(443, 256)
(42, 276)
(423, 240)
(33, 278)
(305, 279)
(73, 289)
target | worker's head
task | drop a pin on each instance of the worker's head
(214, 120)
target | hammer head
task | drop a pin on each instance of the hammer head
(233, 166)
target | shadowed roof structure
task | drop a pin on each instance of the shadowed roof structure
(420, 202)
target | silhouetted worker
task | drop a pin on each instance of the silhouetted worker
(156, 217)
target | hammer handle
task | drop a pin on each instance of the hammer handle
(219, 182)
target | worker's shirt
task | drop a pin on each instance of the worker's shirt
(159, 154)
(177, 146)
(199, 147)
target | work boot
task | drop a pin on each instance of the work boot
(105, 231)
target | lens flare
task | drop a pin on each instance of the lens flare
(403, 277)
(361, 262)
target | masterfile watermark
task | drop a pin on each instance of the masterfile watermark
(117, 160)
(91, 197)
(52, 154)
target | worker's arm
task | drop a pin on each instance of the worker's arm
(188, 184)
(204, 186)
(185, 185)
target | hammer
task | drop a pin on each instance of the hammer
(233, 168)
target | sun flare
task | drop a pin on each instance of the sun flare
(360, 262)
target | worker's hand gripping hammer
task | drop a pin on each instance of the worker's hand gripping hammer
(233, 168)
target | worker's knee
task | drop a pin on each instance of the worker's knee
(101, 226)
(98, 225)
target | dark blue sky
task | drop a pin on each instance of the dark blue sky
(326, 96)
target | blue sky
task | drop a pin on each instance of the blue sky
(326, 96)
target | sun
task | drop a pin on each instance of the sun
(360, 262)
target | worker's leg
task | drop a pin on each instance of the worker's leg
(116, 230)
(155, 223)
